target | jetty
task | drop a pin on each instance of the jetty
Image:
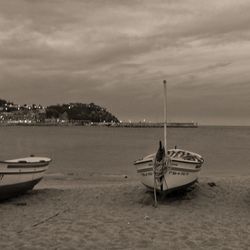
(156, 124)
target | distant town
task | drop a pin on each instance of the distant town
(71, 114)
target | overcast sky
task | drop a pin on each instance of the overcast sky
(116, 54)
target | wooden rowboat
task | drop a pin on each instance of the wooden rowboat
(20, 175)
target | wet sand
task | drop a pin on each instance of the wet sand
(117, 213)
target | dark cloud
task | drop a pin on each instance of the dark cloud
(117, 53)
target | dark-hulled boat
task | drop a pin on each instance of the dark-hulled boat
(17, 176)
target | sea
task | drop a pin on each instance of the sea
(110, 151)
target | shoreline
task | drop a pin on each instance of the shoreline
(101, 124)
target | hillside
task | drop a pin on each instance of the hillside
(72, 112)
(80, 111)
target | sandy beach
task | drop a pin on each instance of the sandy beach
(118, 213)
(97, 96)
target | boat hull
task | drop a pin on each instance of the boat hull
(9, 191)
(20, 175)
(179, 174)
(183, 187)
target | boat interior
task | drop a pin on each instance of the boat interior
(177, 155)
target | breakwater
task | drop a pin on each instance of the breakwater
(157, 125)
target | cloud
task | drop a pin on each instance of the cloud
(119, 52)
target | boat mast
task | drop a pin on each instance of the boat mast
(165, 116)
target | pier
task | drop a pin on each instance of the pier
(156, 124)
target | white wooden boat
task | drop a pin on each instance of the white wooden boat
(178, 170)
(20, 175)
(170, 169)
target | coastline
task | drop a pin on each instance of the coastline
(117, 213)
(104, 124)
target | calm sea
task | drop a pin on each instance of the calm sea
(85, 151)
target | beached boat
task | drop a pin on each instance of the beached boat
(179, 169)
(20, 175)
(171, 169)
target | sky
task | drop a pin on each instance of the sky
(116, 53)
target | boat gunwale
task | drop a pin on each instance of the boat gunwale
(174, 168)
(11, 162)
(138, 162)
(150, 157)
